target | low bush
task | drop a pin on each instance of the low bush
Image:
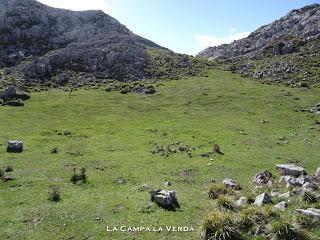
(216, 190)
(220, 226)
(54, 195)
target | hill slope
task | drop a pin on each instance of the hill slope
(39, 43)
(285, 51)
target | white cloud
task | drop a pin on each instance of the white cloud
(211, 41)
(233, 29)
(78, 5)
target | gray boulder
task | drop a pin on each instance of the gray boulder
(229, 183)
(15, 146)
(165, 199)
(310, 212)
(290, 170)
(262, 199)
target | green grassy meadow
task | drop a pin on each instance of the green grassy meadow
(112, 136)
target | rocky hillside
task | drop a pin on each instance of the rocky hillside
(40, 44)
(285, 51)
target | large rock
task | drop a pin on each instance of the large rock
(262, 199)
(290, 170)
(15, 146)
(165, 199)
(317, 174)
(310, 212)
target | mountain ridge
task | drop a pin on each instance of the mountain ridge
(290, 41)
(41, 44)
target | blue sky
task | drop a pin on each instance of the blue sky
(188, 26)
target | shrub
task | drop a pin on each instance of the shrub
(307, 222)
(8, 168)
(1, 174)
(285, 230)
(219, 226)
(250, 217)
(309, 197)
(76, 177)
(218, 189)
(54, 195)
(54, 150)
(225, 203)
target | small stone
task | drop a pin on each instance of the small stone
(274, 193)
(262, 199)
(8, 178)
(209, 164)
(241, 202)
(284, 195)
(281, 205)
(317, 174)
(229, 183)
(168, 184)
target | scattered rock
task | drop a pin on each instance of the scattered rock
(262, 178)
(15, 146)
(310, 186)
(165, 199)
(284, 195)
(168, 184)
(262, 199)
(143, 187)
(274, 193)
(8, 178)
(281, 205)
(290, 170)
(229, 183)
(241, 202)
(317, 174)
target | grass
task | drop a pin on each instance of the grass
(112, 135)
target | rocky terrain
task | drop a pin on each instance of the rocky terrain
(40, 44)
(285, 51)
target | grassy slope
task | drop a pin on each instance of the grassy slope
(110, 130)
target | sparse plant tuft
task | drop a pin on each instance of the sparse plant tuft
(285, 230)
(77, 177)
(309, 197)
(225, 203)
(218, 189)
(55, 195)
(219, 226)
